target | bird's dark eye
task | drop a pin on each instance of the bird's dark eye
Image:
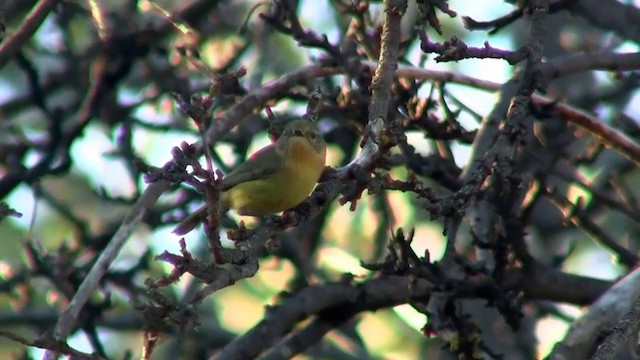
(313, 135)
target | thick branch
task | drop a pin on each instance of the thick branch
(371, 295)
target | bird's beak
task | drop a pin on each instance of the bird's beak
(298, 132)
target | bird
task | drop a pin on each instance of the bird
(275, 178)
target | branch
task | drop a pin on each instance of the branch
(44, 343)
(620, 334)
(10, 46)
(130, 320)
(328, 299)
(577, 63)
(605, 313)
(334, 303)
(610, 15)
(69, 317)
(387, 60)
(454, 50)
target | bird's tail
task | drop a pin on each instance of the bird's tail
(190, 222)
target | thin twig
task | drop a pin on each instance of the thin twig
(10, 46)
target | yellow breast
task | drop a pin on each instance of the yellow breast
(283, 189)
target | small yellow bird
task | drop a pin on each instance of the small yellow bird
(275, 178)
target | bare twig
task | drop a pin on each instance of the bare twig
(10, 46)
(45, 343)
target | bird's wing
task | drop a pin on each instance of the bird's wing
(264, 162)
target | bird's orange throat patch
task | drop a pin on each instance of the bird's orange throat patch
(302, 152)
